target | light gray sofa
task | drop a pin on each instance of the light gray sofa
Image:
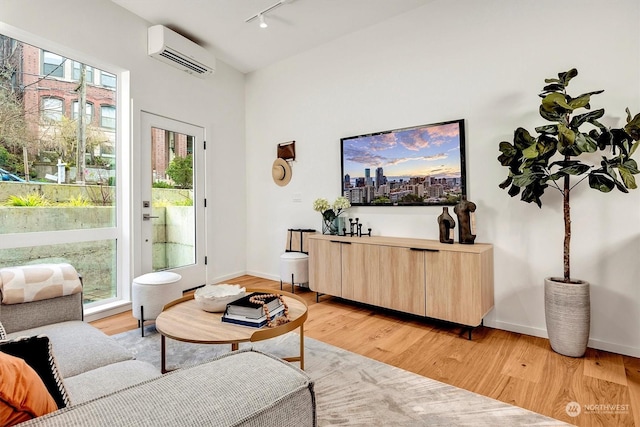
(107, 386)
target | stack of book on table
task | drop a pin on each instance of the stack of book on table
(244, 312)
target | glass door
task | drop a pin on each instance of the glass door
(172, 199)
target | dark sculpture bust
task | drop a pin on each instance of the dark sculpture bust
(463, 211)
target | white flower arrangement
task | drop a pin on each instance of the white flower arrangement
(331, 211)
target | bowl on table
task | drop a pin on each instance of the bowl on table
(214, 298)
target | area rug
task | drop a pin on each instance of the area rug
(353, 390)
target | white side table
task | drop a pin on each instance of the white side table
(150, 292)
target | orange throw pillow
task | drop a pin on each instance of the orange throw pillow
(23, 395)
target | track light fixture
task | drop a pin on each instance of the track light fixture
(260, 15)
(262, 23)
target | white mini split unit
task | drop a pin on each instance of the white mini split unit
(178, 51)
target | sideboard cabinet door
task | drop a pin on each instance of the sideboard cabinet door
(325, 267)
(459, 286)
(402, 280)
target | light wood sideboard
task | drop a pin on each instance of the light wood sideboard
(417, 276)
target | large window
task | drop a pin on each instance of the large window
(108, 116)
(52, 64)
(52, 108)
(77, 66)
(107, 79)
(63, 207)
(88, 111)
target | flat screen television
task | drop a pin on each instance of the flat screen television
(415, 166)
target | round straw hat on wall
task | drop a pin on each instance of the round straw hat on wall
(281, 172)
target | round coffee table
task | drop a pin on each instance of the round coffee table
(183, 320)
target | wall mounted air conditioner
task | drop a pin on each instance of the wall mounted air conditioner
(178, 51)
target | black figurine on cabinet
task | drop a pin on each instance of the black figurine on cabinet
(446, 224)
(463, 211)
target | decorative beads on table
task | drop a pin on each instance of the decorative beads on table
(259, 299)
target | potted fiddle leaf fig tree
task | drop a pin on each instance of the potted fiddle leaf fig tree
(572, 148)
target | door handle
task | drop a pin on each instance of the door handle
(147, 217)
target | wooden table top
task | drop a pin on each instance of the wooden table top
(183, 320)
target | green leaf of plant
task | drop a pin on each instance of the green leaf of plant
(547, 146)
(609, 171)
(585, 143)
(552, 101)
(514, 190)
(548, 129)
(633, 126)
(577, 169)
(507, 182)
(524, 179)
(580, 119)
(601, 183)
(582, 101)
(522, 139)
(533, 193)
(552, 116)
(509, 156)
(566, 138)
(564, 163)
(531, 152)
(632, 166)
(627, 177)
(553, 87)
(567, 76)
(605, 140)
(621, 140)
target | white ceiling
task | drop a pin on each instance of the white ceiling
(295, 26)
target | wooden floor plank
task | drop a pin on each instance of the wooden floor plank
(527, 361)
(490, 364)
(605, 366)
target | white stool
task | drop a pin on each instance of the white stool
(294, 266)
(150, 292)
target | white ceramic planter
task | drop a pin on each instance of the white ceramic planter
(568, 315)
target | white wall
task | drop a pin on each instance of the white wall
(106, 35)
(484, 62)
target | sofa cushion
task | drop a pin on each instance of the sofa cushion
(102, 381)
(245, 388)
(3, 333)
(79, 347)
(38, 282)
(23, 395)
(37, 352)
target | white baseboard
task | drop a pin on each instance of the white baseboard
(226, 277)
(263, 275)
(542, 333)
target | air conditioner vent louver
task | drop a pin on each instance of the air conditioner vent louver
(183, 61)
(171, 48)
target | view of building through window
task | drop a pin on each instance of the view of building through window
(58, 171)
(58, 167)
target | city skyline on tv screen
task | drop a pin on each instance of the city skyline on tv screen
(421, 165)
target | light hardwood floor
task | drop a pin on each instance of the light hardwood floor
(513, 368)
